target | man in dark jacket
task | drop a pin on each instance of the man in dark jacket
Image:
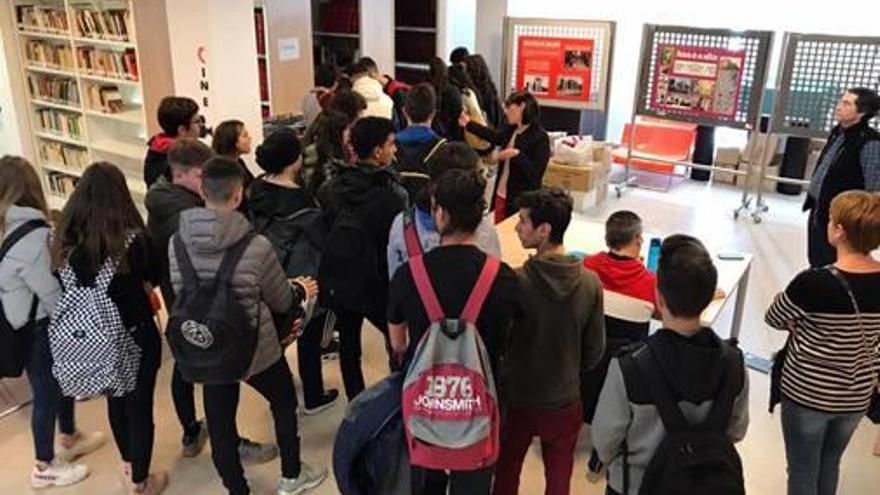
(850, 160)
(418, 142)
(563, 319)
(360, 201)
(165, 201)
(178, 117)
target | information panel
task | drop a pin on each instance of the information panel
(555, 68)
(697, 81)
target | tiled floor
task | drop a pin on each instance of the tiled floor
(778, 244)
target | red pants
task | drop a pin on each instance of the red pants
(500, 209)
(558, 431)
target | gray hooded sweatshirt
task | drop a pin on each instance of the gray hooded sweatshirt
(27, 270)
(259, 282)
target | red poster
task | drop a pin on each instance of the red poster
(555, 68)
(697, 81)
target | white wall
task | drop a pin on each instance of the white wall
(10, 132)
(854, 18)
(456, 26)
(228, 37)
(489, 37)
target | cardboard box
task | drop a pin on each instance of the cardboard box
(573, 178)
(584, 201)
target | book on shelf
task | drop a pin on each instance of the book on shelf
(341, 16)
(259, 23)
(104, 98)
(52, 88)
(109, 24)
(49, 20)
(67, 124)
(60, 184)
(264, 80)
(42, 53)
(108, 63)
(63, 154)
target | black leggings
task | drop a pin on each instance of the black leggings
(308, 349)
(275, 384)
(183, 396)
(131, 416)
(350, 326)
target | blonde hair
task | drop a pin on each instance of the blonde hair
(19, 186)
(858, 213)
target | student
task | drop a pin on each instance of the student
(364, 76)
(694, 365)
(275, 197)
(459, 55)
(347, 102)
(525, 151)
(165, 201)
(354, 275)
(101, 222)
(830, 368)
(487, 91)
(327, 153)
(260, 284)
(28, 292)
(449, 101)
(318, 99)
(459, 77)
(232, 140)
(417, 143)
(453, 269)
(562, 303)
(449, 157)
(178, 117)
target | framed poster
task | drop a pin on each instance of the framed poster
(554, 68)
(697, 81)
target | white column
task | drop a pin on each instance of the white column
(490, 35)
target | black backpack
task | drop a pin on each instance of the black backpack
(15, 344)
(691, 459)
(209, 332)
(412, 166)
(349, 265)
(298, 240)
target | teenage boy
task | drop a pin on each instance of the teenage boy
(364, 81)
(179, 118)
(260, 284)
(360, 203)
(686, 366)
(318, 99)
(562, 303)
(453, 269)
(417, 143)
(165, 201)
(450, 156)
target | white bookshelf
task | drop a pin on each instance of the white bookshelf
(118, 134)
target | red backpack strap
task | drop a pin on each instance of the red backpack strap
(426, 291)
(481, 289)
(410, 234)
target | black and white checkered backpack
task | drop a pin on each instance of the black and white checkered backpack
(92, 351)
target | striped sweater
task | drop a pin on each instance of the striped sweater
(833, 360)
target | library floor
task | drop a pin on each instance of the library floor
(778, 244)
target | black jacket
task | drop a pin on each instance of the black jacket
(527, 168)
(845, 172)
(156, 161)
(449, 108)
(165, 202)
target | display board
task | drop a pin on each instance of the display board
(565, 64)
(815, 70)
(702, 76)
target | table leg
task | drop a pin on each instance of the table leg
(741, 289)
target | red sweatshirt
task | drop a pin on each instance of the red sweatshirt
(627, 276)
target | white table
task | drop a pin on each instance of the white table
(588, 236)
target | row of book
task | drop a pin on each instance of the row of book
(104, 98)
(110, 24)
(59, 122)
(60, 184)
(260, 27)
(62, 154)
(33, 18)
(108, 63)
(53, 88)
(45, 54)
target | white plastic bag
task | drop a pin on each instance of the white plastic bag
(573, 150)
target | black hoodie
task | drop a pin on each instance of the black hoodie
(165, 201)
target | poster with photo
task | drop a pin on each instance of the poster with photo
(697, 81)
(555, 68)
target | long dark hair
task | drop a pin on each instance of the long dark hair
(97, 220)
(225, 142)
(19, 186)
(439, 75)
(459, 77)
(329, 136)
(479, 72)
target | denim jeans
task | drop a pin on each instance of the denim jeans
(814, 443)
(48, 404)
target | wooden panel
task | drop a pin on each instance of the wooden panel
(291, 80)
(154, 54)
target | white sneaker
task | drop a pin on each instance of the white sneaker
(86, 443)
(308, 478)
(58, 474)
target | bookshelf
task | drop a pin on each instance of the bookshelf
(85, 93)
(415, 39)
(261, 33)
(336, 32)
